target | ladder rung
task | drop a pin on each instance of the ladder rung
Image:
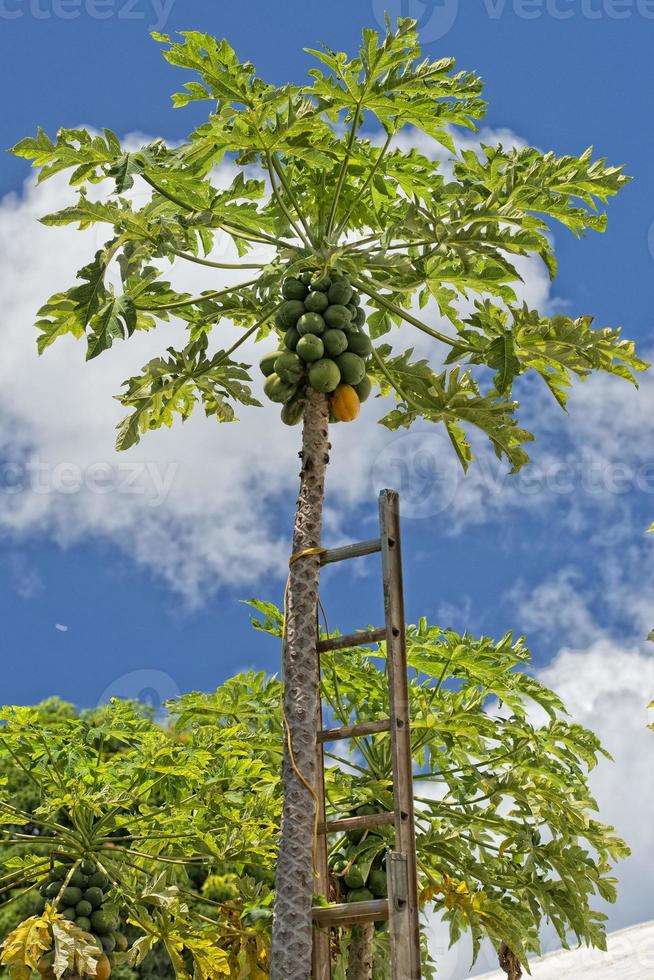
(353, 640)
(357, 550)
(385, 819)
(355, 731)
(350, 913)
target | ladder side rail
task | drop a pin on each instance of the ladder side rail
(405, 939)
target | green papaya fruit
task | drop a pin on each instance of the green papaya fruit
(278, 390)
(363, 389)
(101, 923)
(267, 362)
(71, 896)
(94, 896)
(294, 289)
(99, 880)
(359, 343)
(335, 342)
(338, 317)
(324, 375)
(339, 293)
(310, 347)
(290, 312)
(316, 302)
(83, 922)
(291, 337)
(311, 323)
(378, 883)
(354, 877)
(293, 412)
(289, 367)
(352, 368)
(360, 895)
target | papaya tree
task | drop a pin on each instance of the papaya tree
(182, 824)
(354, 235)
(507, 834)
(120, 840)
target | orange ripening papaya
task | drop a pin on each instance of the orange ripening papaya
(345, 403)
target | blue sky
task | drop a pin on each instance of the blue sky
(90, 599)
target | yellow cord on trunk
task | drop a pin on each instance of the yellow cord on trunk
(306, 553)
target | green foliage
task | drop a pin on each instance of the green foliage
(157, 814)
(407, 229)
(508, 837)
(186, 819)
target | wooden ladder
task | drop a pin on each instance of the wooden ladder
(400, 909)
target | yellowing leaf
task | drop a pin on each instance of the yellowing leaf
(75, 950)
(24, 947)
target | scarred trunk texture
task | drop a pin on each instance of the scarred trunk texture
(292, 939)
(359, 966)
(510, 963)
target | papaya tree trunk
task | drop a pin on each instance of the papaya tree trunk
(359, 966)
(292, 926)
(509, 962)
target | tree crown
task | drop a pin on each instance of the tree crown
(360, 171)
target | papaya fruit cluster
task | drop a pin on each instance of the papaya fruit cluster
(361, 880)
(325, 347)
(82, 902)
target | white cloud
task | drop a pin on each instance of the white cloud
(557, 608)
(61, 628)
(606, 687)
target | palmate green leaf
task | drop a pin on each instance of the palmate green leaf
(92, 310)
(115, 320)
(523, 179)
(512, 341)
(70, 312)
(172, 386)
(87, 213)
(75, 148)
(451, 398)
